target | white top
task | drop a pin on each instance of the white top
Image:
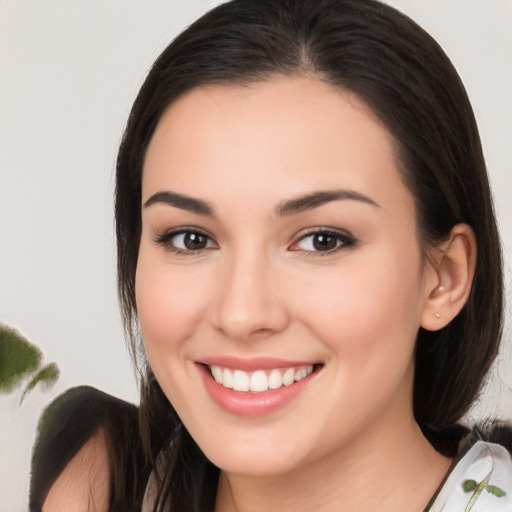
(480, 482)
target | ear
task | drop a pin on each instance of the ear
(449, 277)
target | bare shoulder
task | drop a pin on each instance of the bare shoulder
(88, 455)
(84, 484)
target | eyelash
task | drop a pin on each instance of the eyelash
(166, 240)
(343, 240)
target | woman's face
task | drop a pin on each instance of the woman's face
(279, 252)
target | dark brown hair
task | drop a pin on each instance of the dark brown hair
(402, 74)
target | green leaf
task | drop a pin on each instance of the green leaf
(469, 485)
(46, 377)
(478, 491)
(18, 358)
(51, 412)
(496, 491)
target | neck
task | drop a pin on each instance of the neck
(398, 472)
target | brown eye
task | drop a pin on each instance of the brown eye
(194, 241)
(323, 242)
(186, 241)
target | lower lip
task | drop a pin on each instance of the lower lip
(251, 404)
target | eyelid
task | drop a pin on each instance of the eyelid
(165, 238)
(346, 238)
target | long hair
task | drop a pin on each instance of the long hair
(402, 74)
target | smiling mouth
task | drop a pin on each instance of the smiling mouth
(259, 381)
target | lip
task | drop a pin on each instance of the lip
(253, 364)
(249, 404)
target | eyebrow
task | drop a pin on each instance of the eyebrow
(290, 207)
(187, 203)
(316, 199)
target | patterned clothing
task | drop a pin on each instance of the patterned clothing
(481, 481)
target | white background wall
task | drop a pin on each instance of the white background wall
(69, 71)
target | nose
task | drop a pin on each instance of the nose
(249, 304)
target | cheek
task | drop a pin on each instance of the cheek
(370, 307)
(369, 319)
(170, 306)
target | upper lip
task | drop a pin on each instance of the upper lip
(253, 363)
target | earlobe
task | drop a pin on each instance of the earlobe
(452, 268)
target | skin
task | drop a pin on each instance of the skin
(348, 441)
(83, 485)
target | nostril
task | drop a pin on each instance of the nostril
(262, 331)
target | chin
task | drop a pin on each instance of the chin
(260, 455)
(257, 465)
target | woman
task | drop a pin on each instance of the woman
(301, 196)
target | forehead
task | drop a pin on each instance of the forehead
(282, 137)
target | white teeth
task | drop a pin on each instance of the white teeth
(217, 373)
(275, 379)
(289, 376)
(260, 380)
(300, 374)
(240, 381)
(227, 378)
